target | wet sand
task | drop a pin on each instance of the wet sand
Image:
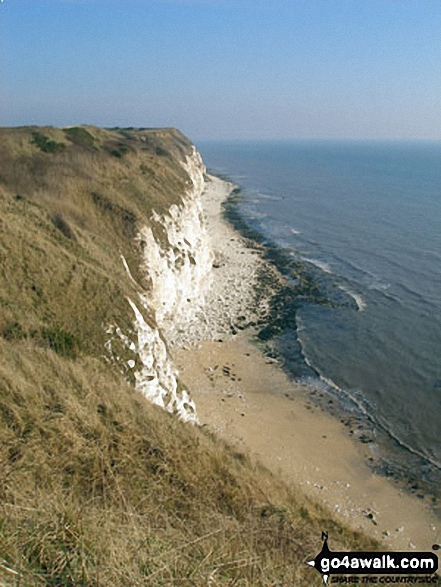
(247, 399)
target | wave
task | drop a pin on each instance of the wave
(269, 197)
(361, 304)
(416, 295)
(300, 327)
(418, 453)
(349, 401)
(325, 383)
(371, 280)
(320, 264)
(255, 215)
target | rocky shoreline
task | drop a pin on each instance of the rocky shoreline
(218, 361)
(238, 298)
(288, 284)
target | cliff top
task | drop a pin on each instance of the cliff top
(99, 487)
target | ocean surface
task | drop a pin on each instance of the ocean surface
(364, 219)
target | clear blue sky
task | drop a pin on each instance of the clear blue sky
(225, 68)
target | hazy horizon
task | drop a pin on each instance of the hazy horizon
(224, 69)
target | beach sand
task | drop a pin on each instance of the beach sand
(247, 399)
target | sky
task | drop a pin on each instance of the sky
(225, 69)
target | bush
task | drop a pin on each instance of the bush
(62, 342)
(161, 152)
(13, 331)
(63, 226)
(80, 136)
(45, 144)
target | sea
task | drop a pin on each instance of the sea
(362, 221)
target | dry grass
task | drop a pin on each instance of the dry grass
(100, 488)
(68, 216)
(97, 487)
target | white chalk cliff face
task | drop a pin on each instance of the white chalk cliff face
(180, 270)
(180, 274)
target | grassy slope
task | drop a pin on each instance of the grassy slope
(97, 486)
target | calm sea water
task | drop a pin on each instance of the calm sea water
(366, 218)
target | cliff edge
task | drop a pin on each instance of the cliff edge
(105, 264)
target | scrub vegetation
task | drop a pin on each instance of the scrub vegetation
(97, 486)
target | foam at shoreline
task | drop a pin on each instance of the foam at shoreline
(236, 274)
(323, 288)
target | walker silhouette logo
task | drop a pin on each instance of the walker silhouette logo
(374, 563)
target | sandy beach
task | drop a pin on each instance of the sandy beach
(247, 399)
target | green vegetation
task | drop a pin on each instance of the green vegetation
(45, 144)
(80, 136)
(63, 343)
(161, 152)
(99, 488)
(63, 226)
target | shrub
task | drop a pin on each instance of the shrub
(63, 226)
(161, 152)
(13, 331)
(45, 144)
(79, 136)
(62, 342)
(118, 149)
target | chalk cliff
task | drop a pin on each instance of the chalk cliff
(178, 266)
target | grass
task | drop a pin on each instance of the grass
(97, 486)
(46, 145)
(67, 218)
(80, 136)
